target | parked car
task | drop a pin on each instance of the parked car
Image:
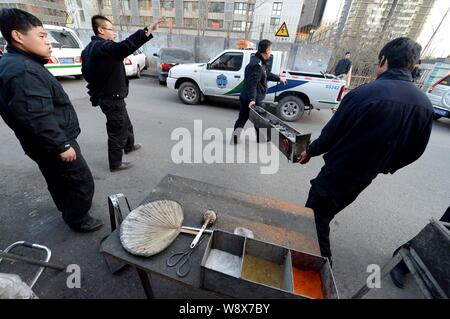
(169, 57)
(223, 76)
(135, 63)
(439, 96)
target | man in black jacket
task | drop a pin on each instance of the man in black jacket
(344, 65)
(379, 128)
(255, 86)
(34, 105)
(103, 69)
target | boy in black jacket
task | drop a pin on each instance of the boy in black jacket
(34, 105)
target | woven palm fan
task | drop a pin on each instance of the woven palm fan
(151, 228)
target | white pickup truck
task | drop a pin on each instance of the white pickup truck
(223, 76)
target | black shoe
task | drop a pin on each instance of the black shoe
(135, 148)
(121, 167)
(89, 224)
(398, 277)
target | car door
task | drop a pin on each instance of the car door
(223, 76)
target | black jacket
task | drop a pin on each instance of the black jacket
(378, 128)
(343, 67)
(34, 105)
(255, 80)
(103, 66)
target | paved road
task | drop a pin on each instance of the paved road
(391, 211)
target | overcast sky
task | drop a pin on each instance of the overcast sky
(440, 46)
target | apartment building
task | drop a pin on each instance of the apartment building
(388, 18)
(48, 11)
(227, 18)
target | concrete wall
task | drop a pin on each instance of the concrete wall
(302, 57)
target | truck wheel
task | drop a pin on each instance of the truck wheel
(189, 93)
(290, 108)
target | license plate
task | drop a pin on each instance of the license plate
(65, 61)
(440, 112)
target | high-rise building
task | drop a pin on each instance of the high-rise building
(383, 18)
(48, 11)
(311, 15)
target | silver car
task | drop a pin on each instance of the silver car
(169, 57)
(439, 96)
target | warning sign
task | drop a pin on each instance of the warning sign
(282, 31)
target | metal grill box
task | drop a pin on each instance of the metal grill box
(242, 267)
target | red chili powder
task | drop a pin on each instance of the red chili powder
(307, 283)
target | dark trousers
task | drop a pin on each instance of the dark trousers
(71, 184)
(119, 129)
(244, 114)
(329, 194)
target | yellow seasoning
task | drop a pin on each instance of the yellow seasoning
(262, 271)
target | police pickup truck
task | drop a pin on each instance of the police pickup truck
(223, 77)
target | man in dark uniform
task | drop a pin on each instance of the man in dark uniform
(103, 69)
(379, 128)
(255, 86)
(34, 105)
(344, 65)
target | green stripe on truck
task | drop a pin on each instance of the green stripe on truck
(62, 66)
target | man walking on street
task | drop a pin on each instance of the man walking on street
(103, 69)
(255, 86)
(34, 105)
(379, 128)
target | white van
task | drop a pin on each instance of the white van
(66, 51)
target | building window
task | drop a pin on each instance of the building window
(240, 8)
(190, 23)
(167, 5)
(274, 22)
(106, 4)
(215, 24)
(82, 18)
(276, 9)
(146, 20)
(251, 8)
(190, 6)
(145, 5)
(169, 22)
(217, 7)
(238, 25)
(126, 4)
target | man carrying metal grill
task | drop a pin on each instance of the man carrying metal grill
(255, 86)
(379, 128)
